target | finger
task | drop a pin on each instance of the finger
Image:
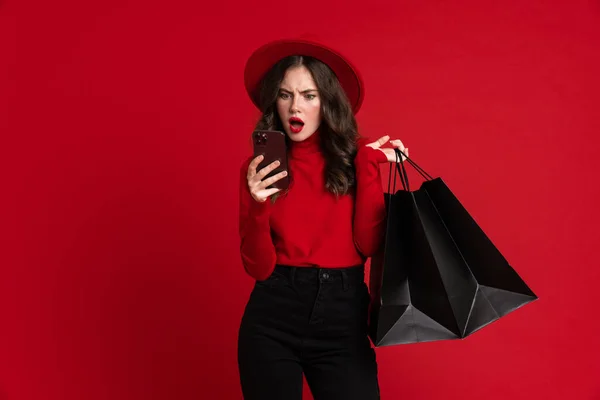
(253, 165)
(266, 170)
(381, 141)
(269, 181)
(397, 143)
(272, 180)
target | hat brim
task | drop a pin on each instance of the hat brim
(263, 59)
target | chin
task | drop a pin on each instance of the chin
(298, 137)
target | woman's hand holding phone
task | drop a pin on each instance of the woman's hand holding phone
(256, 185)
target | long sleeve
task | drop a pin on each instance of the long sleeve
(370, 213)
(256, 246)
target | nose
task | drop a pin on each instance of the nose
(294, 105)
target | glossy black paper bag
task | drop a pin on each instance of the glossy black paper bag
(439, 277)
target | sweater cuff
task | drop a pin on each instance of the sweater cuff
(371, 155)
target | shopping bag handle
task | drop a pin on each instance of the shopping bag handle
(420, 170)
(401, 169)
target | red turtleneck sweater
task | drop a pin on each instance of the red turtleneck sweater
(308, 226)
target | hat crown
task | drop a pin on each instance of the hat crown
(263, 59)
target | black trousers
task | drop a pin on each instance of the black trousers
(312, 321)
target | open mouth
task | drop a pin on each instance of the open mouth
(296, 124)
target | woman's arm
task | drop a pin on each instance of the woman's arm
(256, 247)
(369, 213)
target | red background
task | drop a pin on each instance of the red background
(123, 127)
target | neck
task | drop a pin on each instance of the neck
(310, 145)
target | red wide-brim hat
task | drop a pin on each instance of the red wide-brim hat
(261, 61)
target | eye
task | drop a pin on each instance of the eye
(310, 96)
(284, 96)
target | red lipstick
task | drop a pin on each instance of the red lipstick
(296, 124)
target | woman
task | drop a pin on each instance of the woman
(306, 247)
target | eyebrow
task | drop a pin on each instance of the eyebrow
(303, 92)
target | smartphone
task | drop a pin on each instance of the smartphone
(272, 145)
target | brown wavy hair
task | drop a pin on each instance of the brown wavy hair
(338, 128)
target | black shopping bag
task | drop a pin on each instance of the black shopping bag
(439, 276)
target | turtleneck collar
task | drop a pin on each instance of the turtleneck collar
(308, 146)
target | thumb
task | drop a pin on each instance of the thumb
(380, 142)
